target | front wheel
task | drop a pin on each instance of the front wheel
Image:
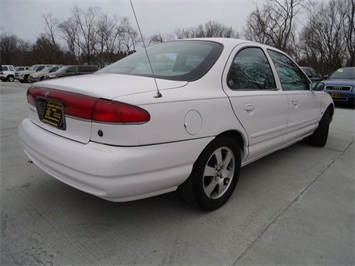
(320, 135)
(214, 176)
(10, 78)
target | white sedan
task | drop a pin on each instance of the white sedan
(187, 117)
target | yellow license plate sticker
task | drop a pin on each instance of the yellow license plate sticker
(336, 95)
(53, 112)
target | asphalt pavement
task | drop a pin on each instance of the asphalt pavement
(293, 207)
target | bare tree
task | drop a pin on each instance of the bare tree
(50, 29)
(14, 51)
(70, 34)
(86, 23)
(47, 48)
(128, 36)
(347, 10)
(107, 39)
(327, 40)
(185, 33)
(274, 24)
(209, 29)
(96, 38)
(8, 45)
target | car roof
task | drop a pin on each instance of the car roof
(218, 40)
(231, 42)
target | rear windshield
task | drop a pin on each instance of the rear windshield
(177, 60)
(343, 73)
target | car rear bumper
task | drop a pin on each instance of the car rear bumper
(111, 172)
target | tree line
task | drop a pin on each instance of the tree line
(325, 40)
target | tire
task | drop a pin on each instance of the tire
(320, 135)
(10, 79)
(214, 176)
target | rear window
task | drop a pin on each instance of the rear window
(176, 60)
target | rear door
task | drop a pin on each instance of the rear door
(304, 104)
(260, 106)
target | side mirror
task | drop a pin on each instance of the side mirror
(317, 86)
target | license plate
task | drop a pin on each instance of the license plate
(53, 113)
(335, 95)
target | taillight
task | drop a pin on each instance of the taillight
(90, 108)
(118, 112)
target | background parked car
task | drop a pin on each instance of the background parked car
(341, 85)
(312, 73)
(23, 75)
(7, 73)
(38, 76)
(72, 70)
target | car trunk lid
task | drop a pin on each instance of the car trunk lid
(67, 107)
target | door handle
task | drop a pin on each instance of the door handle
(249, 107)
(295, 102)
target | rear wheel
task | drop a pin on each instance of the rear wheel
(214, 176)
(320, 135)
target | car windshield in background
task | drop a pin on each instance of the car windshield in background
(176, 60)
(61, 68)
(32, 68)
(46, 69)
(343, 73)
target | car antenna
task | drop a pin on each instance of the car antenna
(158, 95)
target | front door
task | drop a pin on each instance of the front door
(304, 104)
(260, 106)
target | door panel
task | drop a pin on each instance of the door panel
(260, 107)
(304, 114)
(304, 104)
(265, 122)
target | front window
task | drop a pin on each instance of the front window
(291, 77)
(176, 60)
(71, 69)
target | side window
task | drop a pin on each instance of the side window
(71, 69)
(40, 68)
(291, 77)
(4, 68)
(251, 71)
(86, 69)
(53, 69)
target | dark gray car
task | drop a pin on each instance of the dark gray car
(71, 70)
